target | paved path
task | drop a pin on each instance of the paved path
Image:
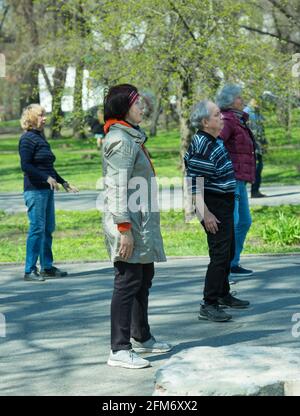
(57, 332)
(13, 202)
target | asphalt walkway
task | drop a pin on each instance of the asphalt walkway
(58, 332)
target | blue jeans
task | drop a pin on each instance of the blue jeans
(242, 219)
(41, 215)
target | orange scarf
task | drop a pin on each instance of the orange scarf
(112, 121)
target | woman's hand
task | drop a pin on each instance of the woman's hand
(53, 184)
(70, 188)
(127, 243)
(211, 222)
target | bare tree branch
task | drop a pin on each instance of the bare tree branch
(183, 21)
(46, 78)
(277, 26)
(274, 35)
(283, 10)
(3, 17)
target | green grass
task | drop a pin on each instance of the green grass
(10, 123)
(79, 162)
(282, 166)
(276, 134)
(282, 161)
(79, 235)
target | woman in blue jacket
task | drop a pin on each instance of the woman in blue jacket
(40, 181)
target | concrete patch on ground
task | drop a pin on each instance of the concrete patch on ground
(233, 370)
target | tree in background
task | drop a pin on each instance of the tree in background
(185, 48)
(176, 48)
(9, 86)
(27, 65)
(278, 22)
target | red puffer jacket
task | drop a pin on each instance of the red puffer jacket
(239, 141)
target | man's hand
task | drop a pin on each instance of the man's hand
(127, 244)
(70, 188)
(211, 222)
(53, 184)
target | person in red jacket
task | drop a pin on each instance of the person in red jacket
(240, 143)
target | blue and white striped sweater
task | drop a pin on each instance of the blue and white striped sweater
(207, 157)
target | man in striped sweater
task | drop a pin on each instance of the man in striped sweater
(209, 159)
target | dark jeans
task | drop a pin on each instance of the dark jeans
(129, 305)
(221, 246)
(259, 167)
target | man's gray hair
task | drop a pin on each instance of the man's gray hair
(227, 95)
(199, 113)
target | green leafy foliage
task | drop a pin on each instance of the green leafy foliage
(284, 230)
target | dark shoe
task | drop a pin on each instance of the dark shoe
(213, 313)
(233, 302)
(33, 276)
(240, 271)
(53, 272)
(257, 195)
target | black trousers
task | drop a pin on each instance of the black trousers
(221, 246)
(129, 304)
(259, 167)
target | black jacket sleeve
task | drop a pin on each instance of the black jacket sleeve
(26, 151)
(58, 178)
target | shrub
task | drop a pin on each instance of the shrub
(284, 231)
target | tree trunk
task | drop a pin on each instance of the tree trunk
(59, 80)
(183, 107)
(78, 113)
(29, 91)
(283, 112)
(289, 120)
(166, 119)
(10, 97)
(78, 123)
(155, 116)
(183, 104)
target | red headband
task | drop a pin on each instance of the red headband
(132, 97)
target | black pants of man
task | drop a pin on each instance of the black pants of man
(259, 167)
(221, 246)
(129, 305)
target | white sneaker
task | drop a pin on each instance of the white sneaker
(126, 359)
(150, 346)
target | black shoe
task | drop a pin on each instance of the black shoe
(233, 302)
(33, 276)
(213, 313)
(257, 195)
(53, 272)
(240, 271)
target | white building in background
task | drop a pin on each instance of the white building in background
(92, 95)
(2, 66)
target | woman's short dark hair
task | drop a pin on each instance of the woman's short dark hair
(117, 101)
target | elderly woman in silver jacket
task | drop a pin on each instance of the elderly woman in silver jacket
(131, 226)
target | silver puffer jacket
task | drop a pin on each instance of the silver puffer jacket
(130, 196)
